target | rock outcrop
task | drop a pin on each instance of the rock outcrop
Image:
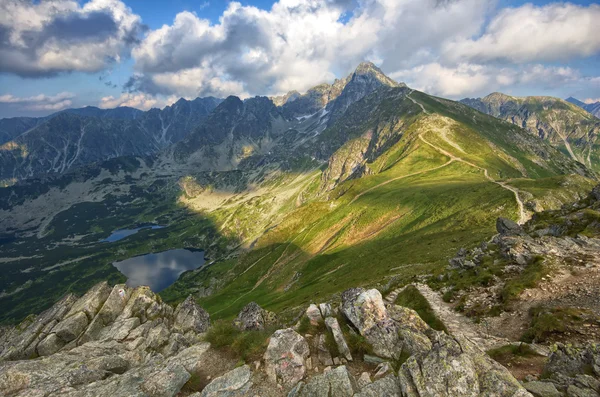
(574, 371)
(254, 317)
(285, 358)
(111, 341)
(124, 341)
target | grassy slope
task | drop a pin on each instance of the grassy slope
(403, 222)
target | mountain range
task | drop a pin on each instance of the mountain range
(593, 108)
(281, 193)
(75, 137)
(566, 126)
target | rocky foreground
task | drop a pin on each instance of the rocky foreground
(126, 342)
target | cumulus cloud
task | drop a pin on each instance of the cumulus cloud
(39, 102)
(296, 44)
(474, 79)
(557, 31)
(49, 37)
(591, 100)
(460, 45)
(137, 100)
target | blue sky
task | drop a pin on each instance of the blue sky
(146, 53)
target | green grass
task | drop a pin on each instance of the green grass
(546, 322)
(506, 353)
(529, 278)
(411, 297)
(247, 345)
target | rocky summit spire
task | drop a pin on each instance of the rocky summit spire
(373, 72)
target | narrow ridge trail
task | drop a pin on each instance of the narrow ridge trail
(456, 323)
(523, 217)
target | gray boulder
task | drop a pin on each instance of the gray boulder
(21, 342)
(191, 317)
(542, 389)
(91, 302)
(337, 382)
(71, 327)
(285, 358)
(387, 386)
(507, 227)
(455, 367)
(110, 310)
(334, 327)
(253, 318)
(232, 384)
(391, 330)
(367, 312)
(314, 314)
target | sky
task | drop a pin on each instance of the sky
(57, 54)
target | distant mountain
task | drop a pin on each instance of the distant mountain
(239, 129)
(593, 108)
(12, 127)
(75, 137)
(290, 205)
(122, 112)
(335, 97)
(565, 125)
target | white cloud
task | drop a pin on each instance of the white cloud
(296, 44)
(557, 31)
(474, 79)
(137, 100)
(591, 100)
(8, 98)
(49, 37)
(39, 102)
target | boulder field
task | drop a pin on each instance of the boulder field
(121, 341)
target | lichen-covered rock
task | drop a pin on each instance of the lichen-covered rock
(387, 386)
(337, 382)
(314, 314)
(326, 310)
(234, 383)
(253, 318)
(333, 326)
(542, 389)
(110, 310)
(21, 342)
(191, 317)
(167, 381)
(285, 358)
(456, 367)
(575, 369)
(367, 312)
(50, 345)
(71, 327)
(323, 354)
(91, 302)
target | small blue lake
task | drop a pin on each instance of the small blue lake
(159, 270)
(122, 233)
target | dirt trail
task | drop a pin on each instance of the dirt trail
(523, 217)
(455, 323)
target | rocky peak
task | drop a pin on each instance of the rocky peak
(371, 71)
(366, 79)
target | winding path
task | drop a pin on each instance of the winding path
(456, 323)
(523, 217)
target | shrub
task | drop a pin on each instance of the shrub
(247, 345)
(548, 321)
